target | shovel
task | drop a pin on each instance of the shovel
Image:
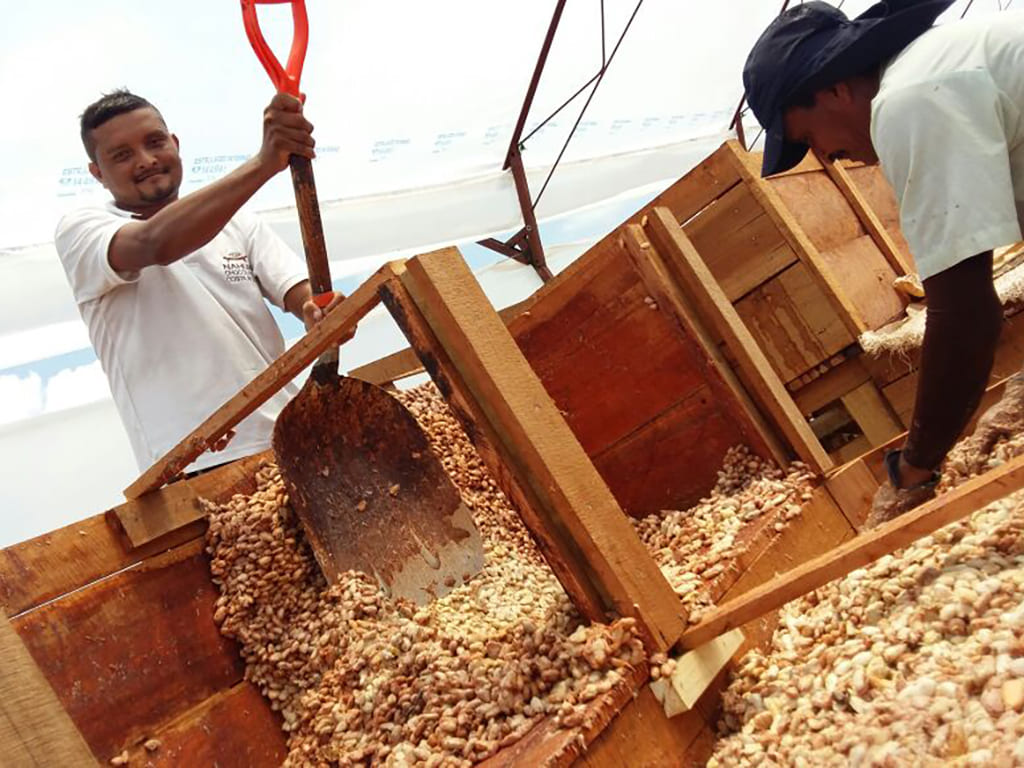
(368, 490)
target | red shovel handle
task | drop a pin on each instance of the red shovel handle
(285, 79)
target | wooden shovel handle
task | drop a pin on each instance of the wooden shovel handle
(309, 221)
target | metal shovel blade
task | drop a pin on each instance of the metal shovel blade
(371, 494)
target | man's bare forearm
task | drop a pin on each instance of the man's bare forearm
(962, 331)
(187, 224)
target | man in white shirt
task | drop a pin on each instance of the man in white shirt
(942, 110)
(173, 289)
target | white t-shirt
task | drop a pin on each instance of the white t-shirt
(177, 342)
(948, 126)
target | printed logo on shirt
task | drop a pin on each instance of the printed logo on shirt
(237, 268)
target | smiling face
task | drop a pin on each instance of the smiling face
(838, 124)
(137, 160)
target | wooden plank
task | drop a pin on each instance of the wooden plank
(872, 414)
(404, 363)
(338, 322)
(798, 240)
(740, 243)
(34, 728)
(867, 280)
(726, 388)
(694, 673)
(644, 469)
(232, 729)
(153, 515)
(853, 487)
(851, 450)
(548, 746)
(609, 362)
(793, 322)
(818, 208)
(868, 218)
(642, 737)
(692, 274)
(48, 566)
(710, 180)
(858, 552)
(390, 368)
(135, 650)
(831, 386)
(537, 446)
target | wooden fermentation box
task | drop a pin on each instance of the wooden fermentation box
(616, 389)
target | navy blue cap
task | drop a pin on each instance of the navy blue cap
(815, 45)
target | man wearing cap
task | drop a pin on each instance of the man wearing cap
(941, 108)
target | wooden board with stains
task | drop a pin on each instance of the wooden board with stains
(793, 322)
(739, 242)
(134, 651)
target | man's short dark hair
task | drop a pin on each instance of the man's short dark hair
(108, 106)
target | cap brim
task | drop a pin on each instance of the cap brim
(780, 155)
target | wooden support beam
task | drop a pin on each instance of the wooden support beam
(404, 363)
(872, 413)
(34, 728)
(656, 279)
(693, 275)
(156, 514)
(695, 671)
(853, 487)
(831, 386)
(339, 322)
(868, 218)
(388, 369)
(527, 444)
(797, 239)
(858, 552)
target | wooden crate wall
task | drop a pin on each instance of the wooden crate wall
(127, 641)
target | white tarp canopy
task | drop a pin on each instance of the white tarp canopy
(413, 104)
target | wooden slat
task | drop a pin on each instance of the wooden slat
(853, 487)
(695, 672)
(868, 218)
(537, 446)
(691, 273)
(831, 385)
(794, 322)
(867, 281)
(801, 244)
(644, 469)
(818, 208)
(740, 243)
(48, 566)
(548, 746)
(728, 392)
(701, 186)
(232, 729)
(338, 322)
(156, 514)
(642, 737)
(390, 368)
(872, 413)
(34, 728)
(405, 363)
(864, 549)
(135, 650)
(635, 364)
